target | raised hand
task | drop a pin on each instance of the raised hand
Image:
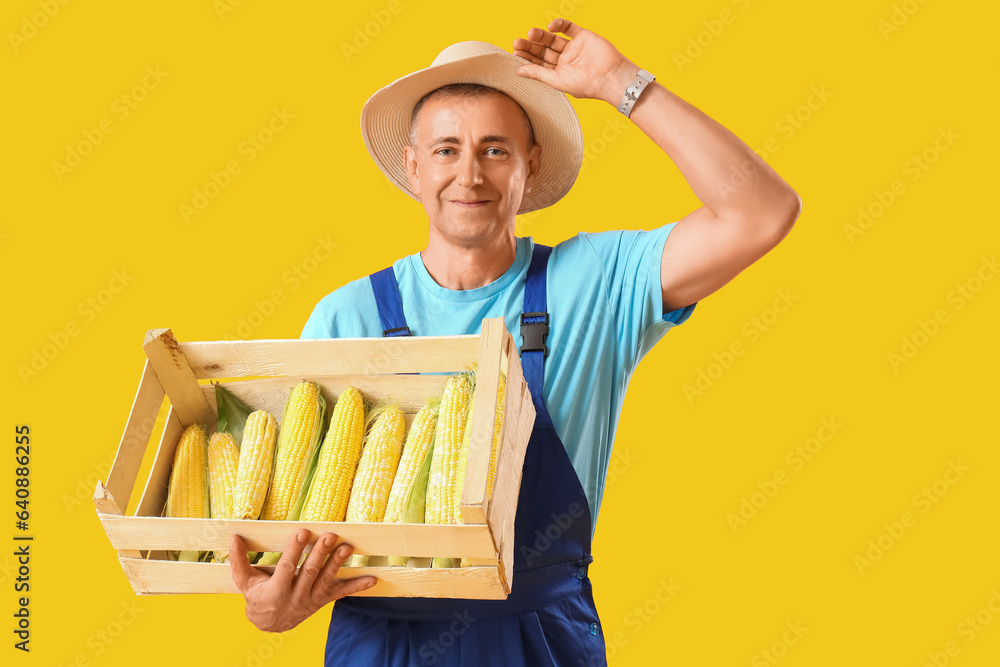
(586, 66)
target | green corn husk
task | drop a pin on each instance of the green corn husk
(232, 411)
(417, 501)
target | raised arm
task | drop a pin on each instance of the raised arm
(747, 208)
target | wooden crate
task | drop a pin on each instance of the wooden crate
(268, 369)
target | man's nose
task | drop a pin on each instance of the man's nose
(470, 172)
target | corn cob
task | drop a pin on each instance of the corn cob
(447, 447)
(418, 443)
(330, 489)
(187, 495)
(256, 464)
(223, 462)
(463, 462)
(376, 469)
(300, 427)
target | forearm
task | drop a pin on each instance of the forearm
(726, 175)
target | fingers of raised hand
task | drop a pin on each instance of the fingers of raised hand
(536, 53)
(565, 26)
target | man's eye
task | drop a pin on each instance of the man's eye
(444, 151)
(496, 151)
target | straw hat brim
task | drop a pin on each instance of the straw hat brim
(385, 118)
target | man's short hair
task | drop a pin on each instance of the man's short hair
(465, 90)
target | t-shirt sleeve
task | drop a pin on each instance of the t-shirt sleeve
(344, 313)
(631, 261)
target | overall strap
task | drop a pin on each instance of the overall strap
(390, 306)
(535, 331)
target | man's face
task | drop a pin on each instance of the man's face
(471, 165)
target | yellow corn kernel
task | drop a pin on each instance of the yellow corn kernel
(256, 463)
(297, 442)
(447, 445)
(338, 460)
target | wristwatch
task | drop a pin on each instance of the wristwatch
(631, 96)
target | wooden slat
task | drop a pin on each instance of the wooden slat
(494, 345)
(507, 486)
(152, 577)
(331, 356)
(155, 492)
(176, 378)
(135, 438)
(379, 539)
(106, 505)
(270, 394)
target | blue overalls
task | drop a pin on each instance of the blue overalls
(549, 618)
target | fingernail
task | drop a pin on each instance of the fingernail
(328, 541)
(369, 584)
(302, 536)
(345, 552)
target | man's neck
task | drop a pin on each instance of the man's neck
(457, 267)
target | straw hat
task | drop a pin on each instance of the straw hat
(385, 118)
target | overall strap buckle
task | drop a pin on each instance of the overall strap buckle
(399, 331)
(535, 331)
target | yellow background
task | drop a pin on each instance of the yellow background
(684, 462)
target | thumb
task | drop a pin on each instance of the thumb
(538, 73)
(243, 573)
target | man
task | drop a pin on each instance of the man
(475, 158)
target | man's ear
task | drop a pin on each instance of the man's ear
(534, 164)
(410, 164)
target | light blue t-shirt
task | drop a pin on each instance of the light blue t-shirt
(605, 307)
